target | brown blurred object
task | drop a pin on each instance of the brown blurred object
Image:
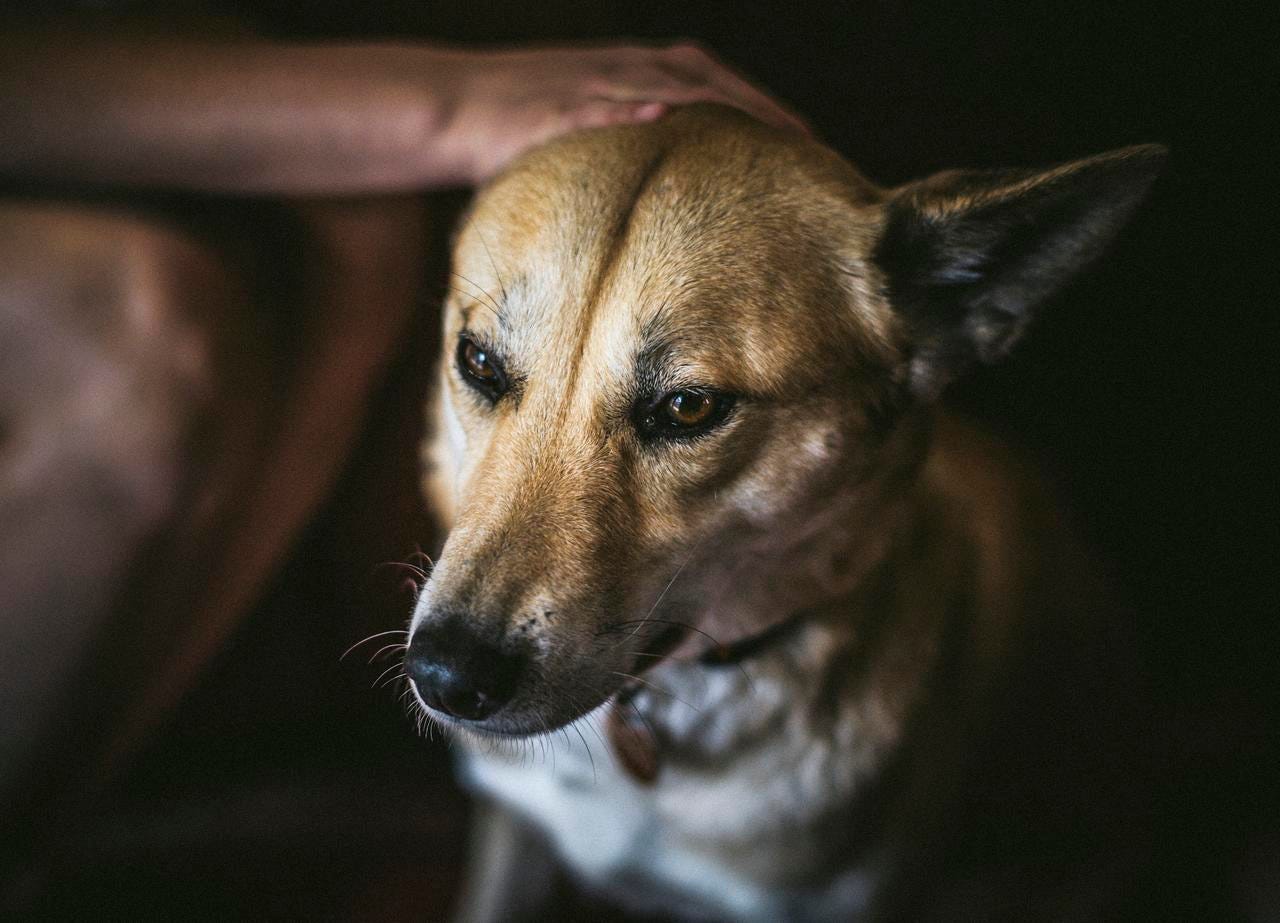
(283, 321)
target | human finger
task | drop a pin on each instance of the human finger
(598, 112)
(695, 65)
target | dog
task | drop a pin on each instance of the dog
(730, 604)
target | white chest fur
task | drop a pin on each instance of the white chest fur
(734, 819)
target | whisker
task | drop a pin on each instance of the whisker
(423, 722)
(395, 666)
(385, 648)
(471, 298)
(492, 304)
(670, 583)
(413, 568)
(392, 681)
(577, 704)
(475, 288)
(594, 779)
(595, 730)
(685, 625)
(619, 626)
(381, 634)
(489, 253)
(657, 689)
(643, 719)
(549, 739)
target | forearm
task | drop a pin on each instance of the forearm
(329, 119)
(245, 116)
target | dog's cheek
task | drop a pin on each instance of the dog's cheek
(800, 462)
(455, 436)
(794, 507)
(442, 453)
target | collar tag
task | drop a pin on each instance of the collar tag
(633, 743)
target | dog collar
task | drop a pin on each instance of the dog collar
(730, 654)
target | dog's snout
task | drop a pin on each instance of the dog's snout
(460, 673)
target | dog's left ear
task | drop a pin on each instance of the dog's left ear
(969, 255)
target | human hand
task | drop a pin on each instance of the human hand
(499, 103)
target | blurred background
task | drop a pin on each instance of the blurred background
(285, 786)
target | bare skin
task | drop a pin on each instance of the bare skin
(257, 117)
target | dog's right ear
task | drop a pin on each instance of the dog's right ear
(969, 255)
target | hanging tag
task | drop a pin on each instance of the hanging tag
(633, 744)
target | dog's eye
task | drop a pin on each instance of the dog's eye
(683, 413)
(480, 369)
(689, 408)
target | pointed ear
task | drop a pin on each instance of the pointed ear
(969, 255)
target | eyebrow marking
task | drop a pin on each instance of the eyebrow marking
(651, 367)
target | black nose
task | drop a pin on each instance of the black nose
(459, 673)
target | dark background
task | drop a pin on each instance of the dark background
(285, 787)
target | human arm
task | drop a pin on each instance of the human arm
(252, 116)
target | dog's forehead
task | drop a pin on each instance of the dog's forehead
(702, 238)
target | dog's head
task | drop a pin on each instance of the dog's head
(678, 358)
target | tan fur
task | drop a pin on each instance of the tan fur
(748, 253)
(657, 255)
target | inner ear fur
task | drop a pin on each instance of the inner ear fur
(969, 254)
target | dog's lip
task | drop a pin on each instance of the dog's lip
(477, 727)
(489, 728)
(451, 721)
(620, 695)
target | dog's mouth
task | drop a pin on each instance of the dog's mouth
(655, 642)
(530, 677)
(503, 726)
(635, 646)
